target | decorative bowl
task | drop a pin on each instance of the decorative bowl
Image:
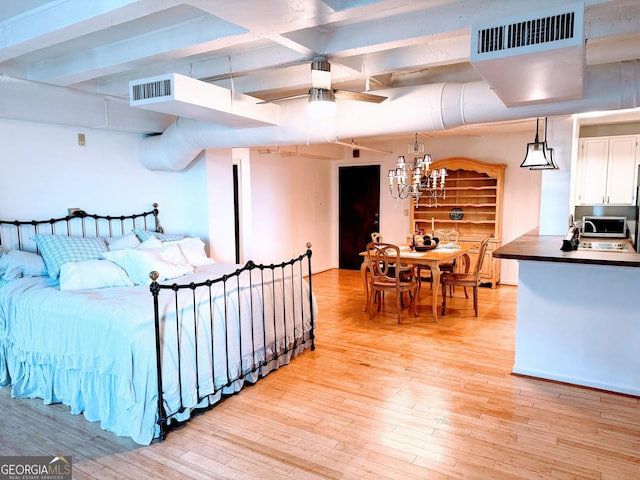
(424, 248)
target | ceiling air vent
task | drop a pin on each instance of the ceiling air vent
(532, 58)
(183, 96)
(143, 91)
(529, 32)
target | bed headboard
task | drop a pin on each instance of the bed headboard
(16, 234)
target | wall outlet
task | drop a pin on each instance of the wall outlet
(82, 140)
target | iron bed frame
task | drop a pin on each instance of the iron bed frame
(16, 234)
(90, 225)
(231, 282)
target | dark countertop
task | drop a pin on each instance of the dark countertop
(546, 248)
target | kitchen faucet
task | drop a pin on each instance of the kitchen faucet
(572, 240)
(595, 230)
(579, 225)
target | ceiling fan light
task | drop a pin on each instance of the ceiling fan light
(322, 103)
(321, 73)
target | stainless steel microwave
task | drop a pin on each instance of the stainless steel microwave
(597, 226)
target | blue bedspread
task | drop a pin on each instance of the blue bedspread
(94, 350)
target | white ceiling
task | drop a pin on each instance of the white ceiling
(263, 48)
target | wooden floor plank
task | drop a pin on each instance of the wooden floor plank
(375, 400)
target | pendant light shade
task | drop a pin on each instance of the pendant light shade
(539, 156)
(552, 163)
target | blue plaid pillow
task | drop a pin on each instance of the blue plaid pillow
(57, 250)
(163, 237)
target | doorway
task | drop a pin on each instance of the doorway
(358, 212)
(236, 209)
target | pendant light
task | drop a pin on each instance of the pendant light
(537, 154)
(552, 165)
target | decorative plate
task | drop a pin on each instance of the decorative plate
(456, 213)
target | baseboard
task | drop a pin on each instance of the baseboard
(580, 382)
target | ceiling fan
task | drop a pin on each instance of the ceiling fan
(321, 90)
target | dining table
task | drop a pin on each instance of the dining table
(430, 258)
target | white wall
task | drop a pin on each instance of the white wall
(293, 200)
(555, 196)
(291, 204)
(220, 200)
(564, 337)
(44, 172)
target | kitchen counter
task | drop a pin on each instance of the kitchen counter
(546, 248)
(577, 314)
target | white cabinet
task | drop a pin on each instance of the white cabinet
(621, 173)
(607, 170)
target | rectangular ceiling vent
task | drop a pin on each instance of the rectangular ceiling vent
(182, 96)
(528, 32)
(532, 58)
(144, 91)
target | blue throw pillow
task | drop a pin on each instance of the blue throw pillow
(57, 250)
(163, 237)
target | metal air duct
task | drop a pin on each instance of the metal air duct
(430, 107)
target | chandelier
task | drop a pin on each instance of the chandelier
(414, 178)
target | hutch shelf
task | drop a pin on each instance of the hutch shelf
(472, 206)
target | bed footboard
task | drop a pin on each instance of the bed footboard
(215, 335)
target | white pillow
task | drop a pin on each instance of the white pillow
(138, 263)
(170, 251)
(152, 243)
(173, 254)
(193, 250)
(90, 274)
(127, 241)
(16, 263)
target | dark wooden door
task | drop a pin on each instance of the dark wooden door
(359, 211)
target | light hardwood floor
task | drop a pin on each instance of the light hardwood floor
(375, 400)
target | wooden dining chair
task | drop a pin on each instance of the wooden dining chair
(389, 275)
(376, 237)
(465, 279)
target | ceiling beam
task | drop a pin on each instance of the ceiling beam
(34, 29)
(184, 39)
(222, 70)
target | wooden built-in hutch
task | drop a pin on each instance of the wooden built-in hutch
(472, 206)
